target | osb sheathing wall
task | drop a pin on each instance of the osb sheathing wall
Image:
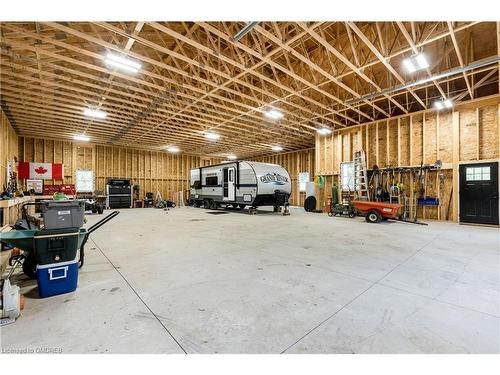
(8, 147)
(468, 133)
(152, 170)
(294, 162)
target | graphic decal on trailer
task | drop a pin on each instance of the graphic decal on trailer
(274, 178)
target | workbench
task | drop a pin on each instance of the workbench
(10, 209)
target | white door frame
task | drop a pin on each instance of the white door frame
(231, 184)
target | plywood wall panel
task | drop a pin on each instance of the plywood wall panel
(445, 140)
(393, 143)
(430, 140)
(416, 139)
(488, 133)
(372, 146)
(382, 144)
(404, 141)
(468, 130)
(9, 147)
(356, 141)
(346, 147)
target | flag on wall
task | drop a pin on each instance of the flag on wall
(40, 171)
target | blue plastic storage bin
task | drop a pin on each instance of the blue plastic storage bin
(57, 278)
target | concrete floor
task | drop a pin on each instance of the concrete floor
(158, 282)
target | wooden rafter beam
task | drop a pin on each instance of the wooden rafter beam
(459, 56)
(351, 66)
(383, 60)
(414, 48)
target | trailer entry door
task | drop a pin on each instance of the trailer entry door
(228, 185)
(231, 184)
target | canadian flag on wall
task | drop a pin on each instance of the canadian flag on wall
(40, 171)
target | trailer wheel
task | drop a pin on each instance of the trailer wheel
(206, 203)
(352, 214)
(100, 209)
(213, 205)
(241, 206)
(235, 205)
(29, 266)
(373, 216)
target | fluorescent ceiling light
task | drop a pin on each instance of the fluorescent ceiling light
(422, 62)
(274, 114)
(94, 113)
(415, 62)
(212, 136)
(438, 105)
(447, 103)
(324, 131)
(173, 149)
(277, 148)
(408, 63)
(81, 137)
(232, 157)
(122, 63)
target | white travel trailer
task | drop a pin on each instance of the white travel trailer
(240, 184)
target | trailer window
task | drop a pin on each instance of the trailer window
(212, 181)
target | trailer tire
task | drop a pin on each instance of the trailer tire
(213, 205)
(100, 209)
(241, 206)
(206, 203)
(235, 205)
(373, 216)
(352, 214)
(29, 266)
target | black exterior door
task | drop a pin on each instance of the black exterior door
(225, 182)
(479, 193)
